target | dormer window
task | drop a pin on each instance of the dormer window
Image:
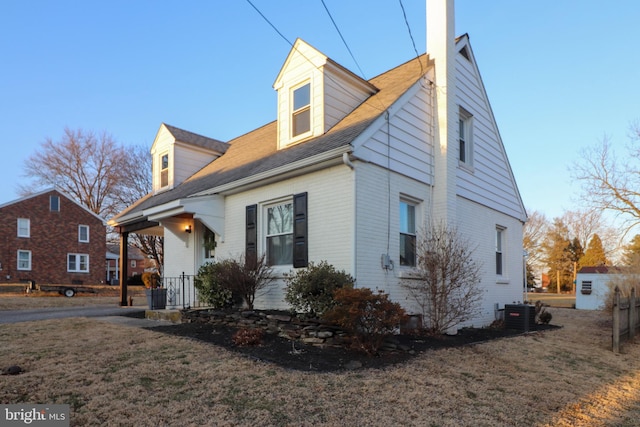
(164, 170)
(301, 115)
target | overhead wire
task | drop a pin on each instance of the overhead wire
(343, 40)
(346, 92)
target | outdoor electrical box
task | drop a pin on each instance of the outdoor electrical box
(520, 317)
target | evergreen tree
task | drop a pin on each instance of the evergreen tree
(594, 256)
(558, 255)
(631, 254)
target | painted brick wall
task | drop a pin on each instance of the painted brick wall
(53, 235)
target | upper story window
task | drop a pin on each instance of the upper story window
(279, 233)
(407, 234)
(499, 253)
(24, 260)
(164, 170)
(24, 227)
(301, 115)
(54, 203)
(83, 233)
(465, 137)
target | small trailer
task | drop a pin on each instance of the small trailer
(66, 290)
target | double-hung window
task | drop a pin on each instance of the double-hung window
(465, 134)
(164, 170)
(407, 234)
(77, 263)
(301, 114)
(83, 233)
(279, 233)
(24, 260)
(24, 227)
(54, 203)
(499, 253)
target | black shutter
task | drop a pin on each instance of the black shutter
(300, 241)
(251, 246)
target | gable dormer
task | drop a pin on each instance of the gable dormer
(177, 154)
(314, 93)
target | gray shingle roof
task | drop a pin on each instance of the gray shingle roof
(257, 152)
(191, 138)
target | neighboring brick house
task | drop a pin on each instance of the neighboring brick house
(50, 239)
(137, 262)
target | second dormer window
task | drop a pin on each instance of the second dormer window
(301, 117)
(164, 170)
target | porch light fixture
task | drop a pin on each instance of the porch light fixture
(187, 229)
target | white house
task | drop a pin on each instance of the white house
(592, 287)
(349, 172)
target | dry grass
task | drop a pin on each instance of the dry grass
(117, 375)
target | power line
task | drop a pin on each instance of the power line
(269, 22)
(343, 40)
(406, 21)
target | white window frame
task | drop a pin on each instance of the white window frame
(300, 110)
(500, 253)
(24, 227)
(80, 228)
(265, 230)
(28, 267)
(133, 263)
(54, 207)
(408, 232)
(163, 171)
(465, 138)
(78, 263)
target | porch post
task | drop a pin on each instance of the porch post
(124, 267)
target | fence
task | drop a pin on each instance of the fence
(625, 317)
(181, 293)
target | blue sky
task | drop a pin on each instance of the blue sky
(560, 75)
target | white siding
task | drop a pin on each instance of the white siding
(163, 143)
(405, 143)
(599, 290)
(189, 160)
(490, 180)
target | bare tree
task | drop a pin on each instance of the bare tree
(611, 183)
(583, 224)
(87, 166)
(534, 233)
(447, 282)
(96, 172)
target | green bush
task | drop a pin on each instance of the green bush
(310, 290)
(210, 286)
(369, 317)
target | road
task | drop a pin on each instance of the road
(15, 316)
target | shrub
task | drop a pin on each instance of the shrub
(211, 288)
(151, 280)
(542, 315)
(246, 337)
(310, 290)
(369, 317)
(246, 277)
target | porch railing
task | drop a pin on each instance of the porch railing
(181, 292)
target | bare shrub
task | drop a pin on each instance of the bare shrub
(247, 337)
(625, 280)
(245, 277)
(446, 284)
(369, 317)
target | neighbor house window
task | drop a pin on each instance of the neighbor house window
(24, 260)
(164, 170)
(465, 127)
(83, 233)
(499, 246)
(77, 263)
(301, 116)
(407, 234)
(54, 203)
(24, 227)
(279, 233)
(133, 263)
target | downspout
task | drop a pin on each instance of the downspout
(354, 264)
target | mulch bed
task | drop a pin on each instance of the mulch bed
(296, 355)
